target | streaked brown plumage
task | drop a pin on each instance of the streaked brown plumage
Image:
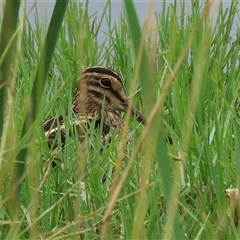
(97, 88)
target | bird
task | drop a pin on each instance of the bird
(99, 96)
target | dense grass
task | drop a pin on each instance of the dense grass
(182, 72)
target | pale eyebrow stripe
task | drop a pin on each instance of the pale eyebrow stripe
(103, 70)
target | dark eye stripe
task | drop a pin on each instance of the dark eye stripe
(99, 95)
(104, 70)
(116, 94)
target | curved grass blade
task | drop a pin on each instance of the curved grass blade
(36, 99)
(9, 25)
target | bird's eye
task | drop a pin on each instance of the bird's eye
(105, 82)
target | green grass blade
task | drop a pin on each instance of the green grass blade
(47, 54)
(8, 28)
(37, 91)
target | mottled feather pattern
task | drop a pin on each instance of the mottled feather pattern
(56, 126)
(98, 88)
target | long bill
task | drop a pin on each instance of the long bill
(135, 113)
(139, 116)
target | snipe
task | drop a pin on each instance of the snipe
(97, 88)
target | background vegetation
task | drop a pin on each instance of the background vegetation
(183, 73)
